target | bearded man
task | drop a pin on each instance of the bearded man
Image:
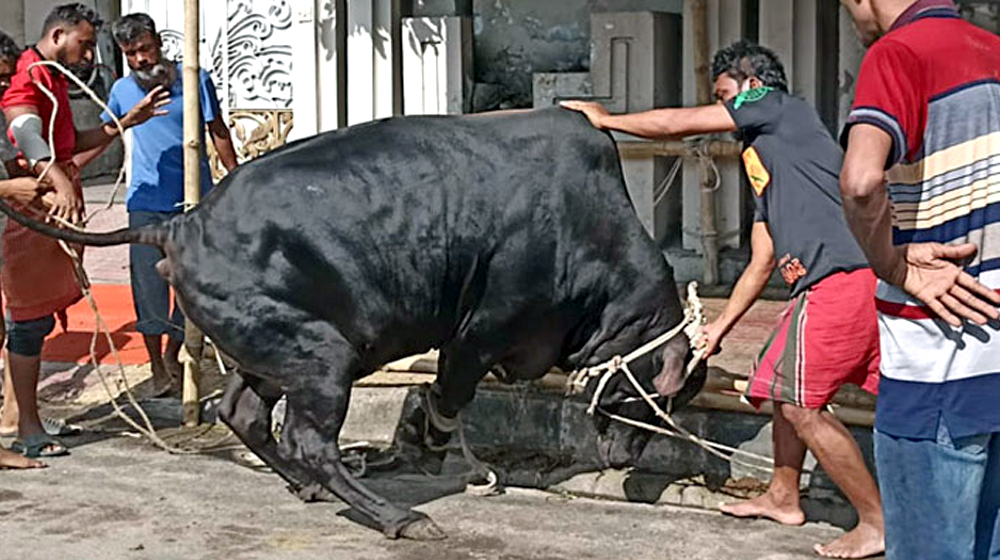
(156, 185)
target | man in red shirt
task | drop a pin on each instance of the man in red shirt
(38, 277)
(921, 191)
(21, 190)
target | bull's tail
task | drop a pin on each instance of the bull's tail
(148, 235)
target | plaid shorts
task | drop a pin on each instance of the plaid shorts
(828, 336)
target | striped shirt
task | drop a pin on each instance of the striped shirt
(933, 85)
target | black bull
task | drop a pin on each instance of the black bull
(501, 239)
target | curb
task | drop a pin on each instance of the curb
(539, 439)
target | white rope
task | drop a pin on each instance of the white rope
(104, 107)
(709, 446)
(146, 429)
(664, 187)
(691, 325)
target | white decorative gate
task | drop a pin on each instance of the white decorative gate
(246, 48)
(335, 62)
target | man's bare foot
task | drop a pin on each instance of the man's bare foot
(861, 542)
(766, 506)
(11, 460)
(162, 383)
(8, 421)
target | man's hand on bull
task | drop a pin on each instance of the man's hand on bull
(933, 273)
(595, 112)
(150, 106)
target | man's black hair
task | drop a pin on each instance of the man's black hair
(71, 15)
(9, 51)
(745, 59)
(130, 28)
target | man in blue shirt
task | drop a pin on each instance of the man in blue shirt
(156, 185)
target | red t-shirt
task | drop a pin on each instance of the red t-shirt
(932, 84)
(24, 92)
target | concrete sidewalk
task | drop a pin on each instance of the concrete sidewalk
(119, 499)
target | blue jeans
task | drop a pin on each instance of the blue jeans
(150, 292)
(940, 498)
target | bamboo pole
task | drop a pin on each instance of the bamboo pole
(709, 233)
(192, 192)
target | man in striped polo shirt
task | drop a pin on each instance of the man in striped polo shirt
(927, 109)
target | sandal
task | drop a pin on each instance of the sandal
(39, 445)
(59, 427)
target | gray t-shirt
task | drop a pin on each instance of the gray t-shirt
(793, 164)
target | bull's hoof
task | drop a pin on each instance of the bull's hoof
(422, 529)
(314, 492)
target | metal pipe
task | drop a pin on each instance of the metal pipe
(709, 231)
(192, 192)
(631, 149)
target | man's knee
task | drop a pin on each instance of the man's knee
(27, 337)
(801, 418)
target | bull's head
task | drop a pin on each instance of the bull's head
(662, 373)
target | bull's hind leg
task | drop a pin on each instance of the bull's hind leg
(316, 409)
(246, 408)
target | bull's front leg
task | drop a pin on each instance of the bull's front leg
(317, 403)
(425, 432)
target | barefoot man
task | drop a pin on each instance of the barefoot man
(828, 335)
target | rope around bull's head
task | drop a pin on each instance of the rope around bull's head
(691, 325)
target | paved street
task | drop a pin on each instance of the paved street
(119, 499)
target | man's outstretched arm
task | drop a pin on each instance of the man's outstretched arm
(659, 123)
(101, 136)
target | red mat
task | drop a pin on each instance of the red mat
(115, 305)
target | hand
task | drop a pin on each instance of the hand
(24, 190)
(149, 107)
(66, 204)
(712, 334)
(928, 272)
(595, 112)
(18, 167)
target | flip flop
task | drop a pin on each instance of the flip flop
(39, 445)
(59, 427)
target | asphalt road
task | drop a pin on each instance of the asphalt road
(119, 498)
